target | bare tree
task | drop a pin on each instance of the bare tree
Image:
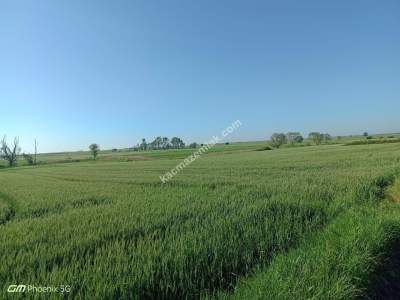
(10, 153)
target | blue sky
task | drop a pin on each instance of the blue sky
(76, 72)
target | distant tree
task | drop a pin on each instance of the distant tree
(339, 137)
(294, 137)
(177, 143)
(157, 142)
(29, 158)
(278, 139)
(299, 139)
(326, 137)
(316, 137)
(165, 143)
(227, 143)
(10, 153)
(114, 150)
(94, 148)
(193, 145)
(143, 145)
(151, 145)
(365, 134)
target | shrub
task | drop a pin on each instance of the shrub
(278, 139)
(266, 148)
(29, 158)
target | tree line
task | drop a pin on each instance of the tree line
(10, 152)
(159, 143)
(279, 139)
(162, 143)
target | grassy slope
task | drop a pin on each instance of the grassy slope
(356, 256)
(394, 192)
(337, 263)
(113, 226)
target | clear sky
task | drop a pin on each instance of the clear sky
(74, 72)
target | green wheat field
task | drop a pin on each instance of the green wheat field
(317, 222)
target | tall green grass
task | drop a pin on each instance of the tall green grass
(112, 230)
(337, 263)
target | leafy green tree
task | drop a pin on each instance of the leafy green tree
(143, 145)
(157, 142)
(177, 143)
(94, 148)
(278, 139)
(294, 137)
(299, 139)
(151, 145)
(193, 145)
(316, 137)
(165, 143)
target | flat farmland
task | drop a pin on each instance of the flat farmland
(229, 225)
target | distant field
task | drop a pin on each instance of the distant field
(126, 155)
(294, 223)
(129, 155)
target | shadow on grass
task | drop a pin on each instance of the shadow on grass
(385, 281)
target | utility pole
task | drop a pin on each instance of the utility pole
(35, 151)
